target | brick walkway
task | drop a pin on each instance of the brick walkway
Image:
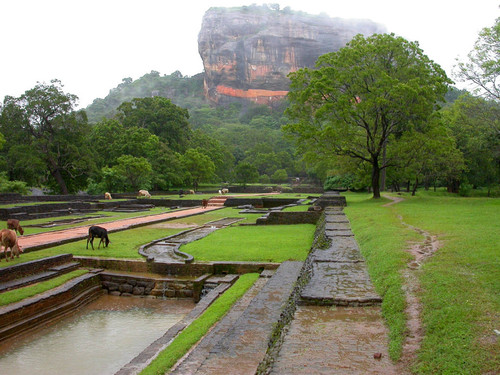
(47, 239)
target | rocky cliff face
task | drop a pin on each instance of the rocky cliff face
(247, 52)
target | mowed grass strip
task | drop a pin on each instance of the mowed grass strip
(196, 330)
(259, 243)
(17, 295)
(460, 283)
(383, 240)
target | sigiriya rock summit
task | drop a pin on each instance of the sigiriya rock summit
(247, 52)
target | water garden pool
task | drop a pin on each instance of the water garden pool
(99, 339)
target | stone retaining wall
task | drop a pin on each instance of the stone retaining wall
(259, 202)
(135, 285)
(128, 265)
(179, 269)
(289, 217)
(29, 212)
(33, 267)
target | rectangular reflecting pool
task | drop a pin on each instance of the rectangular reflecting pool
(98, 339)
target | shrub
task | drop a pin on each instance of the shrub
(7, 186)
(339, 181)
(264, 179)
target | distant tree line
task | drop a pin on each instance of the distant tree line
(377, 114)
(148, 143)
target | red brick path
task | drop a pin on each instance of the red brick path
(56, 237)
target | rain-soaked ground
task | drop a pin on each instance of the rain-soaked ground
(99, 339)
(335, 340)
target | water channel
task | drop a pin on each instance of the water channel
(99, 339)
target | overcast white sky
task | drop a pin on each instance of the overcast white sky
(91, 45)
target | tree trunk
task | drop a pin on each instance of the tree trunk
(408, 183)
(56, 173)
(376, 179)
(453, 186)
(383, 172)
(415, 187)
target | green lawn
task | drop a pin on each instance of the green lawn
(269, 243)
(17, 295)
(125, 244)
(460, 283)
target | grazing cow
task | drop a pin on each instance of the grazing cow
(99, 232)
(107, 196)
(191, 191)
(144, 193)
(14, 225)
(204, 203)
(225, 191)
(8, 239)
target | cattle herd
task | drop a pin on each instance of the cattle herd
(9, 239)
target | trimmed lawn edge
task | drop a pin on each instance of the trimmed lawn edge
(197, 329)
(17, 295)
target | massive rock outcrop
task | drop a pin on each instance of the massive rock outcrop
(247, 52)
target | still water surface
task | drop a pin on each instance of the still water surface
(100, 339)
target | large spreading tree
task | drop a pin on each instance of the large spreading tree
(45, 132)
(360, 100)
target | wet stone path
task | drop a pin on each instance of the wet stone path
(338, 326)
(239, 341)
(339, 274)
(167, 249)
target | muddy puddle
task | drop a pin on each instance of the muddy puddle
(100, 339)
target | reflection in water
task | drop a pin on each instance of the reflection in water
(101, 339)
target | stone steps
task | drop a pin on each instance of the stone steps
(238, 343)
(38, 277)
(31, 313)
(217, 201)
(21, 275)
(339, 274)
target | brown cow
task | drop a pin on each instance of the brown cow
(14, 225)
(204, 203)
(8, 239)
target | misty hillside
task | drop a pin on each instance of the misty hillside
(184, 91)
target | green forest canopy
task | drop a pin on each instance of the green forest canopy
(150, 133)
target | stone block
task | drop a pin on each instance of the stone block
(138, 291)
(126, 288)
